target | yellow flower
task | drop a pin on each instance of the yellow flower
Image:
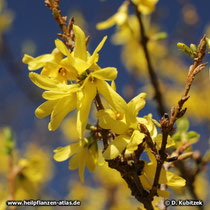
(69, 128)
(91, 77)
(158, 140)
(166, 177)
(6, 17)
(54, 66)
(42, 60)
(148, 122)
(127, 32)
(145, 6)
(125, 125)
(80, 60)
(61, 99)
(120, 18)
(88, 76)
(84, 152)
(35, 163)
(34, 170)
(94, 82)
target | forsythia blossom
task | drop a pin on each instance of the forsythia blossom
(120, 18)
(72, 80)
(84, 153)
(145, 6)
(86, 77)
(126, 126)
(166, 177)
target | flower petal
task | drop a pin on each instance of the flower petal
(63, 49)
(136, 139)
(112, 97)
(63, 153)
(50, 69)
(108, 73)
(71, 71)
(74, 162)
(146, 183)
(107, 120)
(80, 43)
(36, 63)
(113, 85)
(166, 177)
(87, 95)
(170, 141)
(107, 23)
(92, 157)
(45, 109)
(136, 104)
(81, 65)
(163, 193)
(82, 161)
(92, 59)
(53, 95)
(116, 147)
(61, 109)
(43, 81)
(172, 179)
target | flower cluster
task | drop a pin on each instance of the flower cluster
(72, 80)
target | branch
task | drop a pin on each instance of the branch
(13, 172)
(68, 34)
(11, 180)
(129, 169)
(130, 174)
(153, 77)
(166, 123)
(148, 139)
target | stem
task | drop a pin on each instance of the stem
(166, 124)
(130, 171)
(11, 180)
(98, 103)
(67, 29)
(153, 76)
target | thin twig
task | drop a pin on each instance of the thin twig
(11, 180)
(67, 29)
(129, 170)
(153, 76)
(166, 123)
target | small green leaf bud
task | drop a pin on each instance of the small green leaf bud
(185, 49)
(193, 47)
(159, 36)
